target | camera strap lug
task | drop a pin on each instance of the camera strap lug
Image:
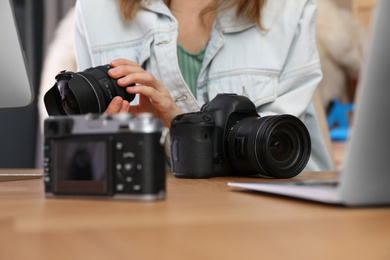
(164, 136)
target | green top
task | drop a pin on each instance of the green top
(190, 65)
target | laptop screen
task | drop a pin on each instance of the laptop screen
(15, 86)
(366, 169)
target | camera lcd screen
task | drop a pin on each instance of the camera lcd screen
(81, 167)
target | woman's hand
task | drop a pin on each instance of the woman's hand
(153, 96)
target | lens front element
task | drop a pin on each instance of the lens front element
(68, 99)
(281, 146)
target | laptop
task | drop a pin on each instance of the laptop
(365, 178)
(15, 88)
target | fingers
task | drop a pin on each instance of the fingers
(123, 74)
(128, 72)
(154, 97)
(118, 62)
(131, 73)
(145, 90)
(125, 107)
(123, 70)
(144, 78)
(160, 103)
(123, 67)
(145, 106)
(118, 105)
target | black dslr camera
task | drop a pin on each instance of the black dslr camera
(228, 137)
(109, 156)
(89, 91)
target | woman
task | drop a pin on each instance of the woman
(266, 51)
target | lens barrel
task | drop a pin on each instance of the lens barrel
(274, 146)
(90, 91)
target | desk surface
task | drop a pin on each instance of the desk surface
(200, 219)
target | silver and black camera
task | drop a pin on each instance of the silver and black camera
(109, 156)
(228, 137)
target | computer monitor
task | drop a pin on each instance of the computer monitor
(15, 86)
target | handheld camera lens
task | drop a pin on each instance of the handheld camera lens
(89, 91)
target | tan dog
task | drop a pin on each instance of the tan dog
(340, 41)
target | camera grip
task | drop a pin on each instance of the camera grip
(192, 151)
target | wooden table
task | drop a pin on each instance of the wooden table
(200, 219)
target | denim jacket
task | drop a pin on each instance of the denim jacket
(278, 67)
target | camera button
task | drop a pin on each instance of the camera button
(120, 187)
(217, 158)
(128, 167)
(128, 155)
(119, 166)
(206, 118)
(119, 146)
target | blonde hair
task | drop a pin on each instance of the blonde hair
(251, 9)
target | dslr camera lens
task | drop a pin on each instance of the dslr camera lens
(274, 146)
(89, 91)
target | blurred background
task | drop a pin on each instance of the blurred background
(343, 26)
